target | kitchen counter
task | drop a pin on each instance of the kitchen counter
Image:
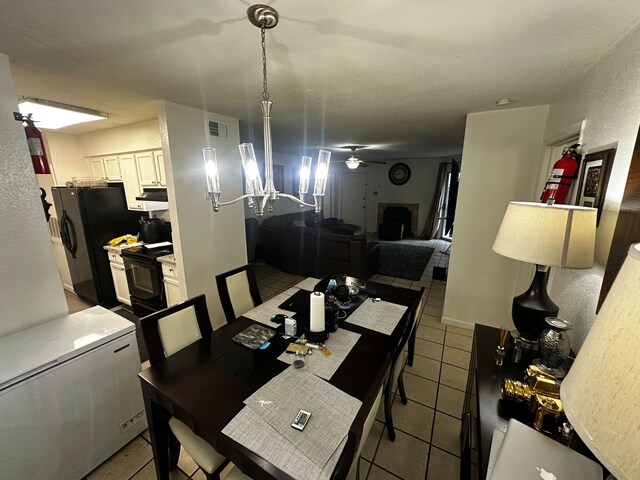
(168, 259)
(119, 248)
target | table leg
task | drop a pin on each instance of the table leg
(158, 420)
(411, 346)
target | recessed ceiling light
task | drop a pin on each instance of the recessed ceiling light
(53, 115)
(504, 102)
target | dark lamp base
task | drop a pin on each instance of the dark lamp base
(530, 309)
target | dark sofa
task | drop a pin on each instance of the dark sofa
(305, 244)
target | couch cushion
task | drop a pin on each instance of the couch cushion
(346, 229)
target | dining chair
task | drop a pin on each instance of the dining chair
(238, 290)
(166, 332)
(397, 369)
(354, 471)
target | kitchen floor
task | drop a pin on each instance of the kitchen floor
(427, 445)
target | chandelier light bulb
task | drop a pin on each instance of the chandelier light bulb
(252, 170)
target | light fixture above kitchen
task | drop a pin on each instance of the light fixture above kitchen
(503, 102)
(54, 115)
(259, 195)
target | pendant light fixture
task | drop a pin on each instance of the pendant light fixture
(259, 195)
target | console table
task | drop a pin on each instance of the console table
(483, 410)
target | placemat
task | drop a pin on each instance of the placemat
(307, 284)
(378, 316)
(340, 343)
(248, 429)
(263, 312)
(332, 412)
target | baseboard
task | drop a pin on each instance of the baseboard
(458, 323)
(68, 288)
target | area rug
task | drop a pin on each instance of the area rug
(402, 260)
(142, 349)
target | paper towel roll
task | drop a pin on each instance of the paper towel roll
(316, 322)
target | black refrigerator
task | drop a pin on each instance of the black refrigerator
(88, 219)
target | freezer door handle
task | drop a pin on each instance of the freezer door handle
(68, 234)
(121, 348)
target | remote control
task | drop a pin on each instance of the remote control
(301, 420)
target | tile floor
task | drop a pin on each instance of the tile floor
(426, 446)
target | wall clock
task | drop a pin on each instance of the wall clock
(399, 174)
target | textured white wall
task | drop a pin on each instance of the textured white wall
(31, 290)
(66, 157)
(500, 163)
(130, 138)
(607, 96)
(205, 243)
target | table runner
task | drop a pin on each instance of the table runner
(263, 312)
(378, 316)
(249, 429)
(332, 412)
(340, 343)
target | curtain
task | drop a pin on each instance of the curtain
(432, 225)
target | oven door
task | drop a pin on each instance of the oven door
(144, 278)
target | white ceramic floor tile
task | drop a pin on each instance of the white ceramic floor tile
(446, 433)
(428, 349)
(456, 357)
(406, 457)
(424, 367)
(458, 341)
(453, 376)
(420, 389)
(124, 464)
(443, 465)
(450, 401)
(432, 334)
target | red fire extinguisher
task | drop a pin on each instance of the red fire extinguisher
(36, 146)
(562, 175)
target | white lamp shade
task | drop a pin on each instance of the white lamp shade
(550, 235)
(601, 393)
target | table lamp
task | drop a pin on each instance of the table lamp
(601, 393)
(547, 236)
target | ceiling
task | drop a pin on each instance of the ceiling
(400, 77)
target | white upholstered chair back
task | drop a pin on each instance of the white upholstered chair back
(366, 429)
(240, 293)
(178, 330)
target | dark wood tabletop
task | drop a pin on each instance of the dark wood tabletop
(483, 389)
(204, 385)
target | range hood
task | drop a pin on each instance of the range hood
(153, 195)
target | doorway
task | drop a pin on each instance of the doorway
(353, 204)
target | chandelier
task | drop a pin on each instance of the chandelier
(260, 196)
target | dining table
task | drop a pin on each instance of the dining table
(205, 384)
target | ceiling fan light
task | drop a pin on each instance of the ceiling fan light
(352, 162)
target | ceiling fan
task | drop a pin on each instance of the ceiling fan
(354, 162)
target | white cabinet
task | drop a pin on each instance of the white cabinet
(162, 178)
(172, 291)
(171, 284)
(97, 168)
(132, 188)
(147, 169)
(112, 167)
(119, 278)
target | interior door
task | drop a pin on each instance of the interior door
(354, 199)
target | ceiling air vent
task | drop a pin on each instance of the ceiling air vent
(216, 129)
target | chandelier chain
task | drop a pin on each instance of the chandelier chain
(265, 93)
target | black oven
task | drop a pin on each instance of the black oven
(144, 278)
